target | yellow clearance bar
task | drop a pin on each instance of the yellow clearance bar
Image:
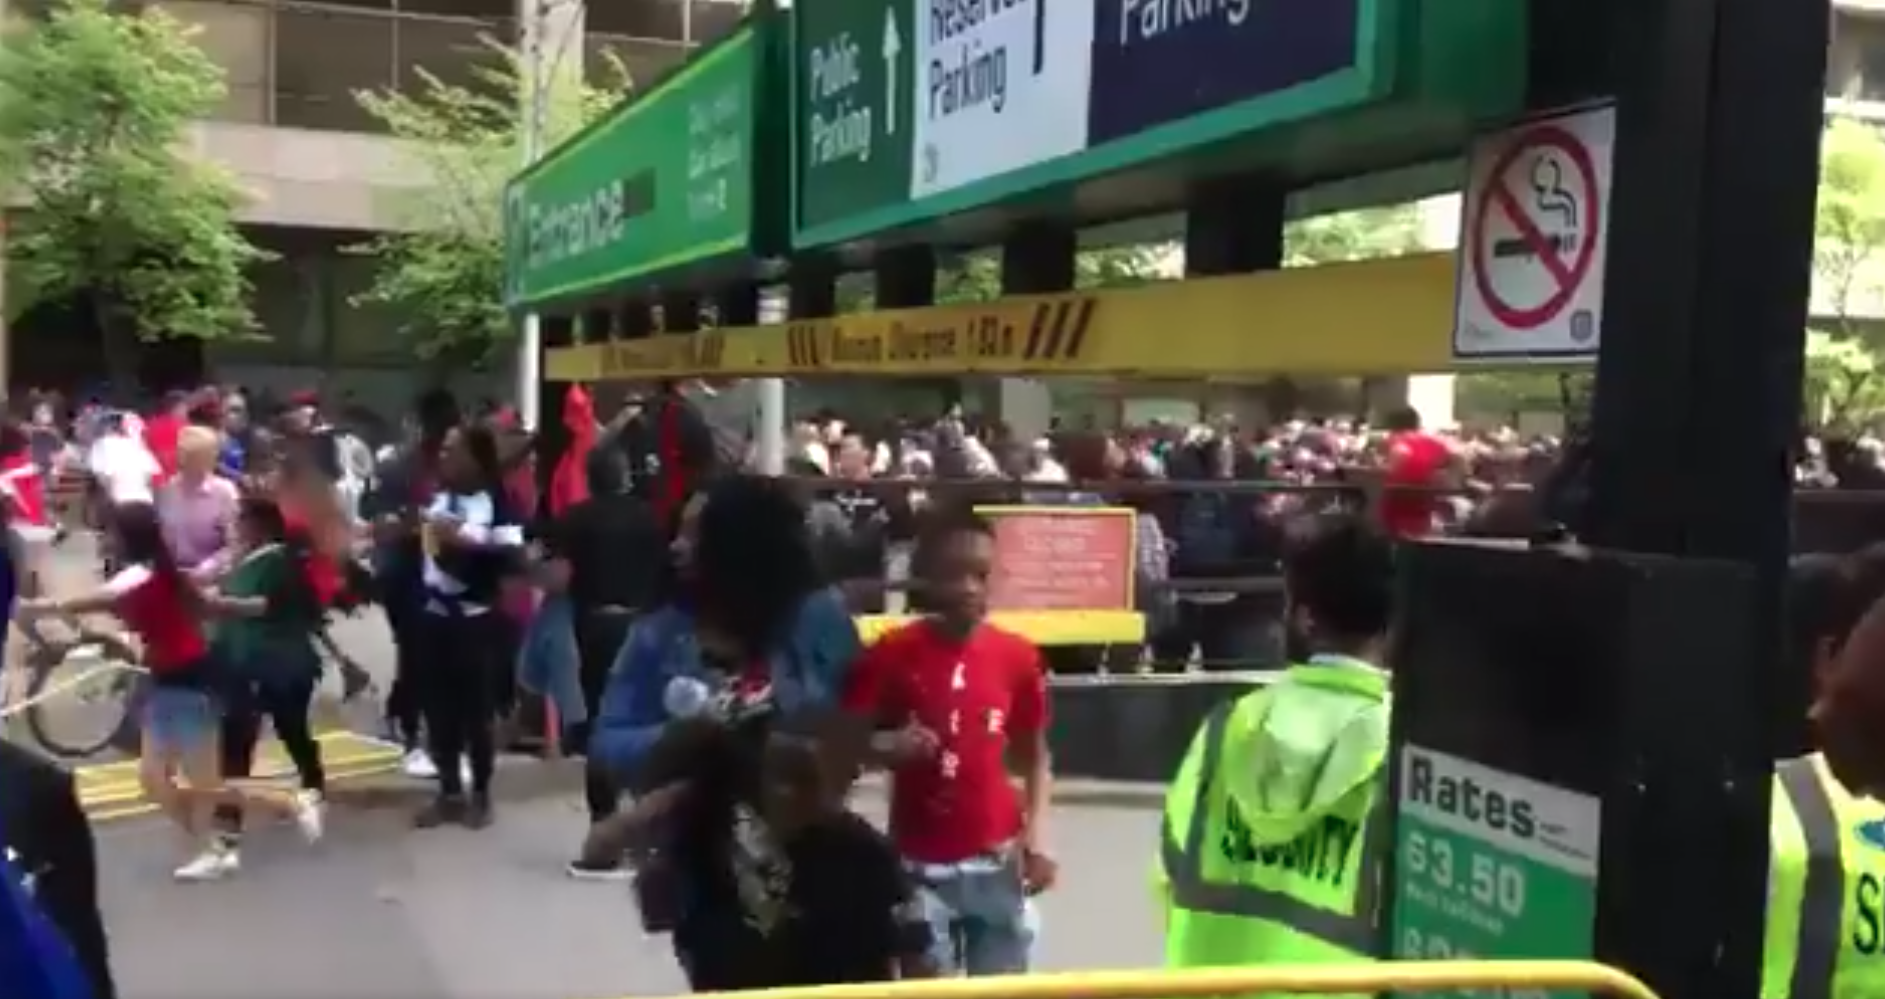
(1376, 317)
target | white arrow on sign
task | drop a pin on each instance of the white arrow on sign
(893, 47)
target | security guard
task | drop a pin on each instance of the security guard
(1272, 827)
(1826, 879)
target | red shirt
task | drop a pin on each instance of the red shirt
(24, 489)
(160, 436)
(1414, 459)
(974, 696)
(324, 575)
(156, 608)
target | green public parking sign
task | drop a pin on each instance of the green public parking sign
(1490, 864)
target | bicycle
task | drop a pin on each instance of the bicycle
(109, 684)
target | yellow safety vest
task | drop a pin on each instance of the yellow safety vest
(1312, 901)
(1825, 889)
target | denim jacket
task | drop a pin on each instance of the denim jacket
(808, 671)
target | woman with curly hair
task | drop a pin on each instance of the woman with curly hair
(750, 635)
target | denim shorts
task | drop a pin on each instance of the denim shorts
(981, 920)
(180, 719)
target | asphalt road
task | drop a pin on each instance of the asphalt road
(379, 910)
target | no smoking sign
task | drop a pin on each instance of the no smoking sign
(1537, 214)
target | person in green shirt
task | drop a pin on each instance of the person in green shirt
(270, 660)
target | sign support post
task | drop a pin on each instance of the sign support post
(1585, 742)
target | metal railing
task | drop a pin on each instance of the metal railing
(1825, 521)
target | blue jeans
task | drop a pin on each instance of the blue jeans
(180, 719)
(979, 915)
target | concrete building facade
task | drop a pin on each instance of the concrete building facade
(320, 172)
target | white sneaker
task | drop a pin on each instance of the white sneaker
(310, 815)
(212, 864)
(418, 765)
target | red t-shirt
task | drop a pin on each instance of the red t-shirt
(1414, 459)
(975, 696)
(24, 490)
(161, 433)
(324, 575)
(156, 608)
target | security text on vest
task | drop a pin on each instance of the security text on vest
(1320, 853)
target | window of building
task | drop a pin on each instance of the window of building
(364, 332)
(325, 56)
(460, 53)
(236, 38)
(1863, 39)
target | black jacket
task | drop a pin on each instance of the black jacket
(44, 827)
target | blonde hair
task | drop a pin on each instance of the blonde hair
(198, 442)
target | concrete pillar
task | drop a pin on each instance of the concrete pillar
(1036, 260)
(1234, 225)
(905, 278)
(552, 46)
(680, 312)
(812, 288)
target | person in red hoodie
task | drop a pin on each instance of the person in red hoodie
(162, 430)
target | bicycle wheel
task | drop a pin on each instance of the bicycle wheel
(82, 706)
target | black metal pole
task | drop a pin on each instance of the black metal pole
(1719, 114)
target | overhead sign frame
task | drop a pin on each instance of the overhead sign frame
(1532, 252)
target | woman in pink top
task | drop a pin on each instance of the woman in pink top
(197, 507)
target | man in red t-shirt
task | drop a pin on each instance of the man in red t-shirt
(956, 697)
(1414, 458)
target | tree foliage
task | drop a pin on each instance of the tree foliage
(976, 277)
(442, 273)
(1844, 382)
(1849, 222)
(95, 101)
(1361, 234)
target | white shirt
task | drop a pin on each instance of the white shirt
(124, 468)
(475, 515)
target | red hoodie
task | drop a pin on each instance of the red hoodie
(161, 433)
(569, 483)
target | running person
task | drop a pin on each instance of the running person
(180, 764)
(274, 668)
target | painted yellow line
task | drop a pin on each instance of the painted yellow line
(110, 791)
(130, 790)
(136, 808)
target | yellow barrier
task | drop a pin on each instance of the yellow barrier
(1387, 976)
(1373, 317)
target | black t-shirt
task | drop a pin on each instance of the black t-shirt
(616, 550)
(852, 912)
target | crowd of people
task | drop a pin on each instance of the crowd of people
(688, 623)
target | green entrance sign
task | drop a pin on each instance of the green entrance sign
(664, 181)
(908, 111)
(1492, 865)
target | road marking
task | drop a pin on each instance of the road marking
(110, 790)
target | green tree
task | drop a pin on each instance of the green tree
(94, 103)
(1845, 383)
(1849, 223)
(1360, 234)
(442, 274)
(976, 276)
